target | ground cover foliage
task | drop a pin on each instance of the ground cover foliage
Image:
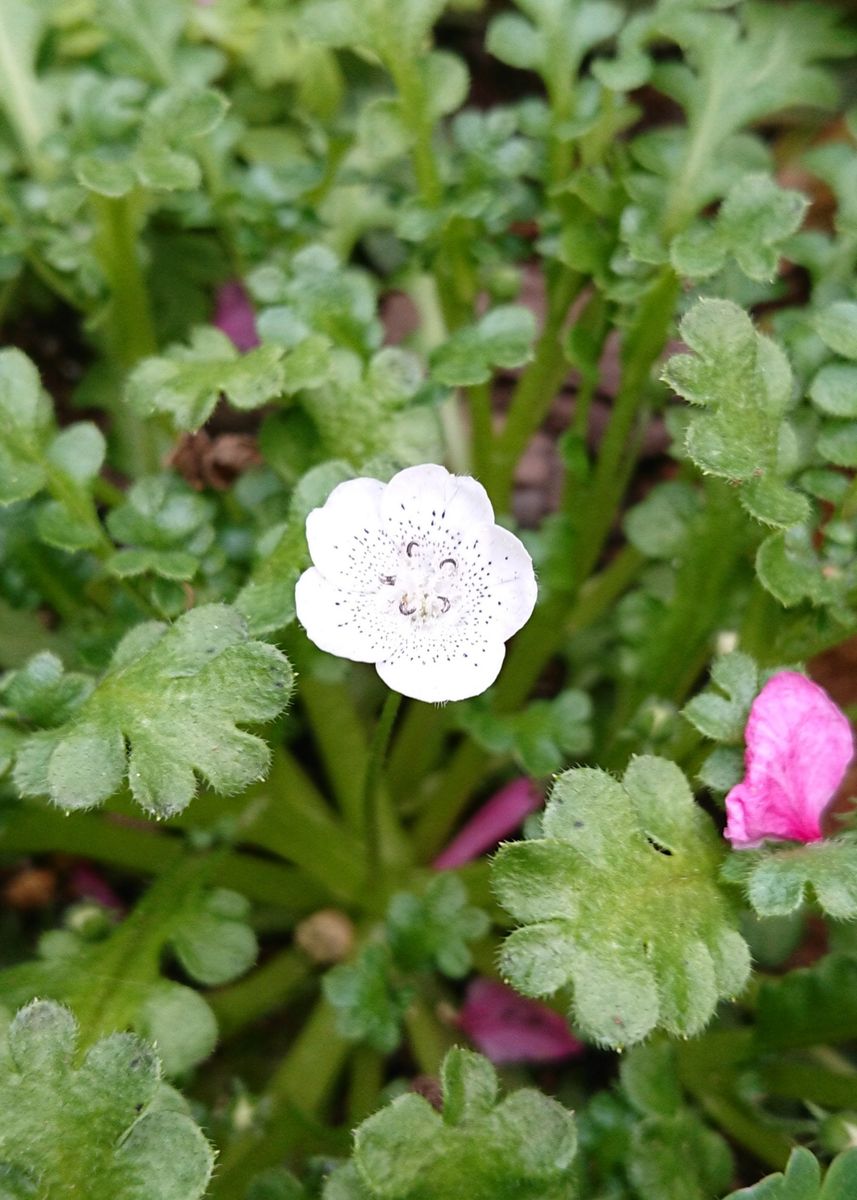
(253, 253)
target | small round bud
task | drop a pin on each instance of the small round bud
(327, 936)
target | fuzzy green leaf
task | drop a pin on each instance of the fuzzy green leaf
(659, 1143)
(659, 525)
(166, 527)
(833, 391)
(744, 382)
(837, 327)
(502, 338)
(187, 380)
(174, 696)
(97, 1129)
(370, 1003)
(778, 881)
(435, 929)
(802, 1180)
(721, 711)
(809, 1006)
(541, 738)
(521, 1147)
(620, 899)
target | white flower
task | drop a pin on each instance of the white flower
(414, 576)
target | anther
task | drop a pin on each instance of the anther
(445, 605)
(449, 562)
(388, 579)
(406, 612)
(410, 548)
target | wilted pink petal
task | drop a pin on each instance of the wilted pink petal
(87, 883)
(233, 313)
(508, 1028)
(798, 747)
(496, 819)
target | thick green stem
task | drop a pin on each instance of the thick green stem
(268, 989)
(130, 331)
(535, 392)
(296, 1094)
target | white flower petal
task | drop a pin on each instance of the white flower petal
(425, 501)
(432, 671)
(346, 539)
(512, 587)
(335, 623)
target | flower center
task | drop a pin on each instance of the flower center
(424, 587)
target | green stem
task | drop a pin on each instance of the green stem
(296, 1094)
(643, 343)
(372, 780)
(418, 744)
(267, 990)
(428, 1039)
(805, 1081)
(535, 392)
(365, 1083)
(130, 331)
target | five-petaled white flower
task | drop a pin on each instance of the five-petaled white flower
(415, 577)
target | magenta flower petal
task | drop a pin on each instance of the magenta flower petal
(509, 1028)
(799, 745)
(496, 819)
(233, 313)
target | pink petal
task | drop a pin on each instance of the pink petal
(496, 819)
(799, 745)
(233, 313)
(507, 1027)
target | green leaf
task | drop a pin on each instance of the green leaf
(187, 380)
(836, 325)
(95, 1129)
(809, 1006)
(520, 1148)
(620, 899)
(267, 600)
(502, 338)
(541, 738)
(650, 1080)
(801, 1181)
(41, 693)
(778, 881)
(174, 696)
(167, 524)
(755, 219)
(276, 1184)
(659, 525)
(434, 929)
(659, 1143)
(837, 442)
(214, 943)
(721, 711)
(556, 38)
(833, 391)
(107, 176)
(370, 1003)
(24, 427)
(744, 383)
(789, 568)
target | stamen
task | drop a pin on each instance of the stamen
(445, 605)
(410, 548)
(390, 580)
(406, 612)
(449, 562)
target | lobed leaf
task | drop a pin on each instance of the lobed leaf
(744, 383)
(778, 881)
(502, 338)
(166, 711)
(620, 900)
(435, 929)
(102, 1128)
(521, 1147)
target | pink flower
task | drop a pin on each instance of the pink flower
(798, 747)
(234, 315)
(498, 817)
(508, 1028)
